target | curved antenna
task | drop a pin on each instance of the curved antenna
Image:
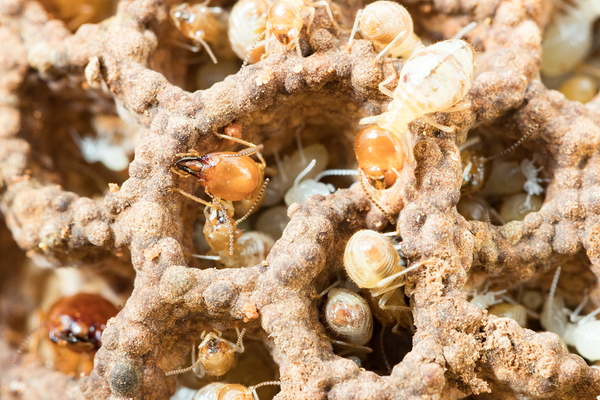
(184, 370)
(336, 172)
(514, 146)
(254, 387)
(260, 195)
(22, 346)
(553, 287)
(304, 172)
(468, 28)
(363, 184)
(249, 54)
(239, 344)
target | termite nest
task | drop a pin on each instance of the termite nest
(299, 200)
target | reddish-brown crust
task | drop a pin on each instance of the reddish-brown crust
(458, 349)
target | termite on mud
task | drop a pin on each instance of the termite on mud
(389, 27)
(226, 177)
(202, 24)
(433, 79)
(284, 22)
(373, 262)
(215, 355)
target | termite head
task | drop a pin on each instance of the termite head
(225, 175)
(380, 155)
(285, 22)
(382, 21)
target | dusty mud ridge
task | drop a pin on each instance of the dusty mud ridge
(456, 346)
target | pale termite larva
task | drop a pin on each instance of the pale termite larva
(580, 88)
(513, 311)
(229, 391)
(348, 316)
(568, 40)
(247, 22)
(505, 178)
(583, 333)
(389, 27)
(486, 298)
(291, 166)
(273, 221)
(301, 189)
(516, 207)
(433, 79)
(372, 262)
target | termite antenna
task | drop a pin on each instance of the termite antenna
(553, 287)
(354, 27)
(336, 172)
(22, 346)
(362, 178)
(206, 257)
(239, 344)
(254, 387)
(468, 28)
(304, 172)
(258, 39)
(514, 146)
(388, 367)
(260, 195)
(184, 370)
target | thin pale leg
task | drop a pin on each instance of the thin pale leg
(401, 36)
(206, 257)
(311, 18)
(461, 106)
(468, 28)
(192, 197)
(385, 90)
(207, 48)
(327, 8)
(253, 388)
(324, 292)
(430, 121)
(384, 299)
(369, 120)
(353, 346)
(384, 282)
(354, 27)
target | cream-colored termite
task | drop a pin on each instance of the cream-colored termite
(284, 22)
(373, 262)
(433, 79)
(348, 316)
(389, 27)
(230, 391)
(583, 333)
(202, 24)
(215, 355)
(247, 23)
